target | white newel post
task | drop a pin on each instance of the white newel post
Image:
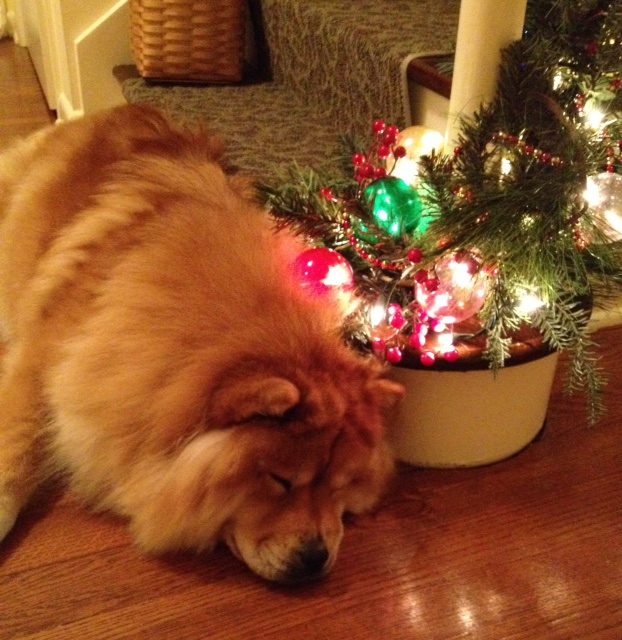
(485, 27)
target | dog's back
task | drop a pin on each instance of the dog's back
(50, 177)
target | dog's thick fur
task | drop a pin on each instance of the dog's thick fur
(158, 352)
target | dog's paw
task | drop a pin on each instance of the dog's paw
(8, 514)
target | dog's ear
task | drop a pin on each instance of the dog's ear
(243, 398)
(389, 394)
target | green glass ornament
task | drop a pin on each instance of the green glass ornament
(396, 206)
(363, 232)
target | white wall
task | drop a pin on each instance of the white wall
(97, 39)
(81, 42)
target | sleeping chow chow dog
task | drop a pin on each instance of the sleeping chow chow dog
(159, 354)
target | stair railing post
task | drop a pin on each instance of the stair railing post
(485, 28)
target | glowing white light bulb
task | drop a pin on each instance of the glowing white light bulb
(445, 339)
(460, 275)
(592, 192)
(528, 303)
(594, 117)
(376, 314)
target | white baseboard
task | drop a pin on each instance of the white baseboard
(65, 109)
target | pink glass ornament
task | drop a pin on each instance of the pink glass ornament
(321, 270)
(460, 293)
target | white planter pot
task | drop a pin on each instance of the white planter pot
(470, 418)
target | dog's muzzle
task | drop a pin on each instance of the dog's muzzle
(309, 562)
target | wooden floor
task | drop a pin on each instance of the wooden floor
(22, 105)
(529, 548)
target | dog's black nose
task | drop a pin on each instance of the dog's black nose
(309, 561)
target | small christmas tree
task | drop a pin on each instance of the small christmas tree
(514, 232)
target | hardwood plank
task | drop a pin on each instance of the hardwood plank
(23, 108)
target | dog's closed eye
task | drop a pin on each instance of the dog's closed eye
(281, 482)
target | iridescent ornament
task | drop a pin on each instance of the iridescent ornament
(416, 141)
(604, 195)
(396, 206)
(321, 270)
(457, 292)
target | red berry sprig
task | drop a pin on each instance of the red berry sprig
(368, 166)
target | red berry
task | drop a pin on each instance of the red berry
(451, 355)
(417, 340)
(591, 48)
(397, 321)
(394, 355)
(380, 172)
(432, 284)
(358, 159)
(421, 328)
(415, 256)
(427, 358)
(379, 127)
(384, 151)
(421, 276)
(367, 171)
(399, 152)
(378, 345)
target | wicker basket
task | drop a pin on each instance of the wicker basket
(188, 40)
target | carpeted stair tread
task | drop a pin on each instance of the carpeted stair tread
(352, 55)
(264, 126)
(337, 65)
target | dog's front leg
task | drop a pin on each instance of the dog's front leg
(20, 434)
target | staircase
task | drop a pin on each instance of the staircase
(325, 68)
